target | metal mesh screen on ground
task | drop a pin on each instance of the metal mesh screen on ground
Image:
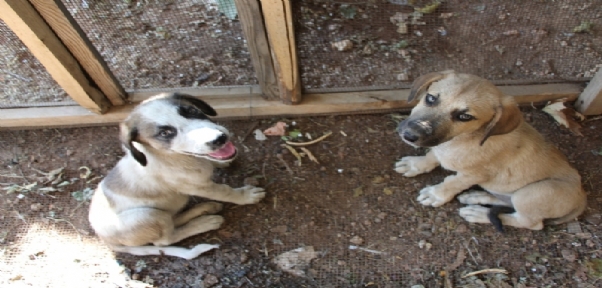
(24, 81)
(167, 44)
(387, 43)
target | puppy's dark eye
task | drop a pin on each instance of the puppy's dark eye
(166, 132)
(464, 117)
(193, 111)
(430, 99)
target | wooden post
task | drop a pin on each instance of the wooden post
(60, 20)
(278, 18)
(251, 19)
(590, 100)
(33, 31)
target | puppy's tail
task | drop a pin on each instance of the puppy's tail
(494, 216)
(166, 250)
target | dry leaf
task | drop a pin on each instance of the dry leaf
(460, 257)
(296, 261)
(378, 180)
(388, 191)
(565, 116)
(86, 173)
(279, 129)
(358, 191)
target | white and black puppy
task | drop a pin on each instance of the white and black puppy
(171, 149)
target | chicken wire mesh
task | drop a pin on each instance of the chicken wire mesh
(167, 44)
(24, 80)
(383, 44)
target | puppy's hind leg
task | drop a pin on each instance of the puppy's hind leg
(195, 226)
(480, 214)
(475, 197)
(196, 211)
(411, 166)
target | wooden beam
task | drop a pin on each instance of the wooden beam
(278, 18)
(58, 17)
(33, 31)
(590, 101)
(244, 106)
(253, 28)
(216, 92)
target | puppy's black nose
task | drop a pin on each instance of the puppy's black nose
(220, 140)
(409, 136)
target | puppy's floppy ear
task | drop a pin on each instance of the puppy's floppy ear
(422, 82)
(507, 117)
(198, 103)
(128, 136)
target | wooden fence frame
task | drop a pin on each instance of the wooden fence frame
(51, 34)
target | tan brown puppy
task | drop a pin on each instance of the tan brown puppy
(475, 130)
(171, 149)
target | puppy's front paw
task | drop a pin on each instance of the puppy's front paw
(411, 166)
(432, 196)
(475, 214)
(251, 194)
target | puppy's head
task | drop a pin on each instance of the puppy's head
(452, 104)
(176, 123)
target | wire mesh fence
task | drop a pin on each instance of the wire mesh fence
(24, 81)
(359, 44)
(167, 44)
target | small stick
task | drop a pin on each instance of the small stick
(294, 152)
(592, 119)
(249, 131)
(309, 155)
(288, 168)
(486, 271)
(310, 142)
(353, 247)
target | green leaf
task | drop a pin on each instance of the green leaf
(348, 12)
(585, 26)
(295, 133)
(84, 195)
(429, 8)
(228, 8)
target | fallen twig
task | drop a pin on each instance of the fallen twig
(309, 155)
(249, 131)
(288, 168)
(503, 271)
(310, 142)
(79, 234)
(294, 152)
(353, 247)
(592, 119)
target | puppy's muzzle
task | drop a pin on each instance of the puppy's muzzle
(411, 131)
(219, 141)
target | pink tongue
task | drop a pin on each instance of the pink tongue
(225, 152)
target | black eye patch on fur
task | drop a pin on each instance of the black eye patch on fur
(191, 112)
(195, 102)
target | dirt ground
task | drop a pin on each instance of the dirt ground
(534, 41)
(353, 197)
